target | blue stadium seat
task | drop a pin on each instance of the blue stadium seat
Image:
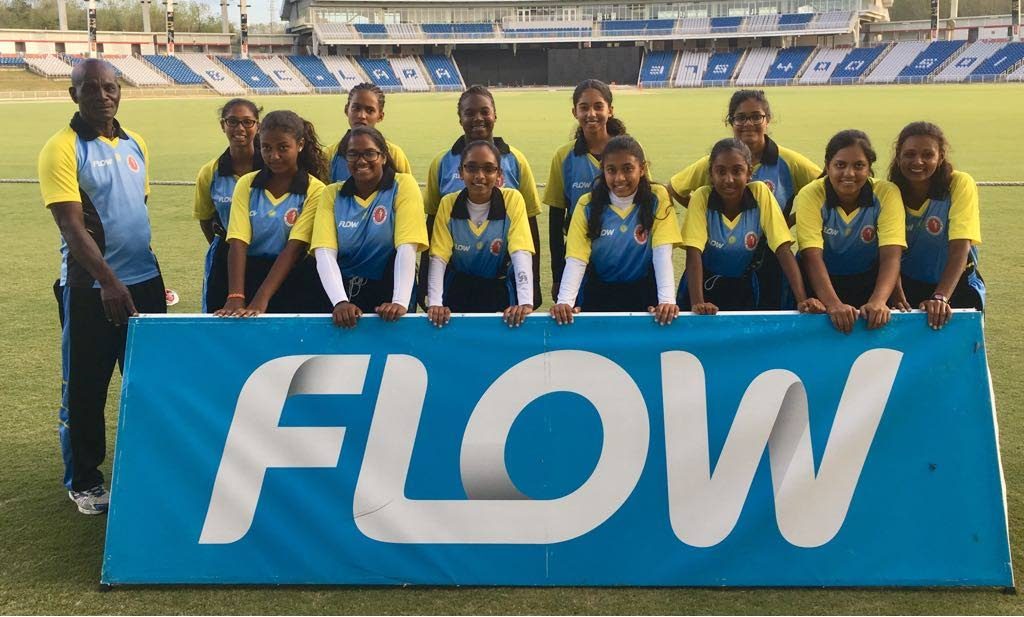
(638, 26)
(999, 62)
(657, 68)
(12, 61)
(540, 32)
(721, 67)
(250, 74)
(316, 73)
(443, 72)
(787, 64)
(930, 59)
(381, 72)
(854, 64)
(481, 30)
(795, 21)
(372, 31)
(175, 69)
(726, 24)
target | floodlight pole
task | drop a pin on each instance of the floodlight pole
(225, 21)
(170, 27)
(935, 20)
(62, 14)
(1015, 20)
(243, 30)
(147, 25)
(91, 20)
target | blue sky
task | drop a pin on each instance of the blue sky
(259, 10)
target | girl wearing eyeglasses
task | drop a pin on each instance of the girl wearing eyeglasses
(480, 251)
(367, 233)
(215, 184)
(364, 107)
(272, 213)
(783, 170)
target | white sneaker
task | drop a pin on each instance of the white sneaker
(93, 501)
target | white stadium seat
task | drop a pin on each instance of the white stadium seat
(902, 54)
(970, 59)
(218, 77)
(823, 64)
(691, 68)
(755, 66)
(345, 71)
(283, 76)
(48, 66)
(409, 73)
(137, 72)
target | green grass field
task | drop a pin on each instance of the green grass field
(51, 555)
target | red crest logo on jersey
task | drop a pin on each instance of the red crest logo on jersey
(380, 214)
(771, 185)
(496, 246)
(133, 164)
(640, 234)
(750, 241)
(867, 233)
(933, 225)
(291, 216)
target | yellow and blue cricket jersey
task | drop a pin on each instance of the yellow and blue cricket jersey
(728, 246)
(110, 178)
(953, 216)
(443, 177)
(366, 232)
(573, 170)
(215, 187)
(850, 242)
(624, 251)
(266, 223)
(784, 171)
(339, 165)
(481, 250)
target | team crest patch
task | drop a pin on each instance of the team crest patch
(291, 216)
(771, 185)
(934, 225)
(640, 234)
(380, 214)
(133, 164)
(867, 233)
(750, 241)
(496, 246)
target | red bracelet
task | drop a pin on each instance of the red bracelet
(236, 296)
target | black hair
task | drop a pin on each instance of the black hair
(943, 176)
(223, 111)
(730, 144)
(311, 157)
(373, 88)
(747, 95)
(845, 139)
(614, 126)
(378, 140)
(480, 143)
(600, 194)
(475, 90)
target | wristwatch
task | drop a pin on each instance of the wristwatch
(940, 298)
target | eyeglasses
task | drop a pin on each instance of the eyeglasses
(754, 119)
(235, 122)
(367, 155)
(473, 169)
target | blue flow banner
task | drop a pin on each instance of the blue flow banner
(746, 449)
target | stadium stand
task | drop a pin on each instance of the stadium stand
(1017, 75)
(372, 31)
(136, 72)
(276, 69)
(755, 66)
(795, 21)
(48, 66)
(929, 60)
(331, 31)
(787, 65)
(409, 72)
(854, 65)
(690, 68)
(471, 30)
(316, 73)
(694, 25)
(443, 72)
(250, 74)
(972, 57)
(380, 72)
(214, 75)
(656, 69)
(17, 61)
(762, 23)
(569, 29)
(175, 69)
(1000, 62)
(403, 31)
(721, 67)
(822, 65)
(890, 67)
(345, 71)
(832, 20)
(723, 25)
(637, 27)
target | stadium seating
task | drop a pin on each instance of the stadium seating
(656, 69)
(12, 61)
(372, 31)
(691, 67)
(694, 25)
(410, 74)
(330, 32)
(762, 23)
(787, 65)
(403, 31)
(175, 69)
(1017, 75)
(468, 31)
(276, 69)
(380, 72)
(528, 29)
(214, 75)
(721, 67)
(48, 66)
(1000, 62)
(890, 67)
(345, 71)
(833, 20)
(755, 66)
(637, 27)
(795, 21)
(316, 73)
(137, 72)
(443, 72)
(823, 64)
(855, 64)
(972, 57)
(929, 60)
(250, 74)
(723, 25)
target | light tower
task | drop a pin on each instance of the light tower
(62, 14)
(1015, 20)
(91, 20)
(170, 27)
(147, 25)
(243, 29)
(225, 21)
(935, 20)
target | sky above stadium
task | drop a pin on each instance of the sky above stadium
(259, 10)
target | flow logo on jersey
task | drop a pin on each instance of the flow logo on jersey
(348, 224)
(933, 225)
(380, 214)
(605, 233)
(750, 241)
(867, 234)
(103, 163)
(581, 185)
(640, 234)
(462, 248)
(496, 246)
(830, 231)
(222, 199)
(133, 164)
(291, 216)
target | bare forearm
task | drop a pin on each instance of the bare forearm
(207, 227)
(814, 263)
(556, 241)
(888, 272)
(237, 254)
(286, 260)
(792, 271)
(694, 275)
(81, 244)
(956, 261)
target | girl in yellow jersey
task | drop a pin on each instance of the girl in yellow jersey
(272, 212)
(367, 233)
(364, 107)
(851, 233)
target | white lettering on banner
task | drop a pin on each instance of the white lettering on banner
(809, 509)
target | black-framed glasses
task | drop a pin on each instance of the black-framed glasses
(367, 155)
(473, 168)
(235, 122)
(755, 119)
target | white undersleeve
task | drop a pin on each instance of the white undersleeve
(522, 266)
(405, 274)
(572, 278)
(330, 275)
(664, 274)
(435, 281)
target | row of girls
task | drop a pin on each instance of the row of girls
(866, 246)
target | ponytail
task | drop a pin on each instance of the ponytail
(311, 158)
(600, 194)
